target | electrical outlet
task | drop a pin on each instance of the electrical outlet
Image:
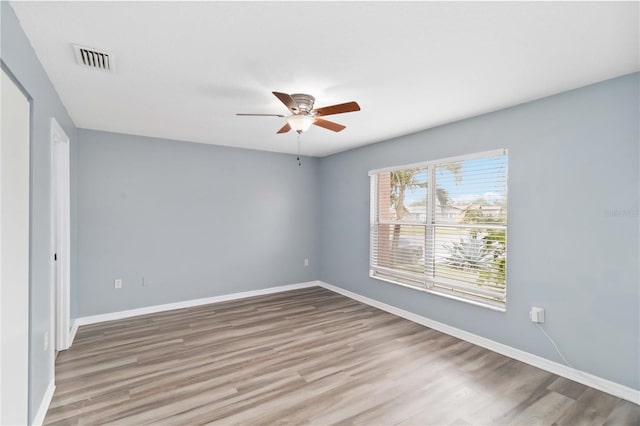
(117, 283)
(46, 341)
(536, 314)
(306, 262)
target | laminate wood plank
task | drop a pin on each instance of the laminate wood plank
(542, 412)
(625, 413)
(593, 407)
(440, 403)
(567, 388)
(307, 356)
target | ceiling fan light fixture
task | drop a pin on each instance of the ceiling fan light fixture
(299, 122)
(303, 115)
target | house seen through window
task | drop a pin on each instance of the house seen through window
(441, 227)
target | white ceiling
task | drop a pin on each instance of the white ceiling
(184, 69)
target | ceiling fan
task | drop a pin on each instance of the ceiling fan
(303, 115)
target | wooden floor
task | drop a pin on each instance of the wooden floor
(306, 356)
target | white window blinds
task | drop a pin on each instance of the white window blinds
(442, 227)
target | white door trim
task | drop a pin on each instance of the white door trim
(62, 237)
(15, 231)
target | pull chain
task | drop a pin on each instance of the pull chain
(299, 162)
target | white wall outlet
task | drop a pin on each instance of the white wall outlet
(306, 262)
(536, 314)
(117, 283)
(46, 341)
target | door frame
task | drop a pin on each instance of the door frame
(61, 256)
(23, 329)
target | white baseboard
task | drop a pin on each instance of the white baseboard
(72, 333)
(579, 376)
(44, 405)
(185, 304)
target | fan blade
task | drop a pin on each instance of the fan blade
(261, 115)
(330, 125)
(287, 100)
(284, 129)
(337, 109)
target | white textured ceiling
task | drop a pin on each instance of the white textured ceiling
(184, 69)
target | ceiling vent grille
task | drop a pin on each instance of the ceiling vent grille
(93, 58)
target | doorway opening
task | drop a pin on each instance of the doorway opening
(62, 236)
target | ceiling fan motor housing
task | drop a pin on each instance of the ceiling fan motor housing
(304, 102)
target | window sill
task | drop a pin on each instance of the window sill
(440, 293)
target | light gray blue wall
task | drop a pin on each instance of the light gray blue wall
(194, 220)
(573, 224)
(16, 52)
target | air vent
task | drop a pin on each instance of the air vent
(93, 58)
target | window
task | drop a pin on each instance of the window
(441, 227)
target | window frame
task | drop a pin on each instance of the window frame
(431, 286)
